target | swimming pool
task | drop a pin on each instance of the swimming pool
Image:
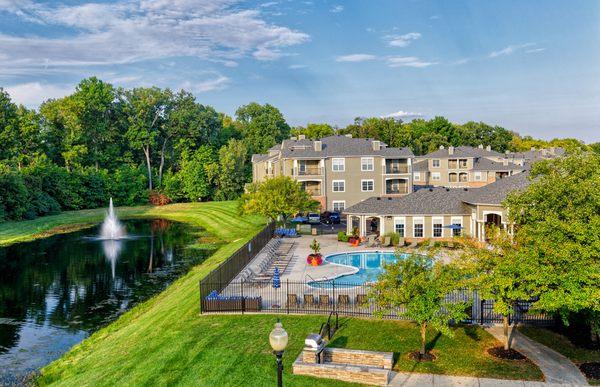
(369, 265)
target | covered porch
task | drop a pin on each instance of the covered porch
(366, 224)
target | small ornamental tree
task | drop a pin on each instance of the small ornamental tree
(499, 272)
(277, 197)
(416, 287)
(315, 246)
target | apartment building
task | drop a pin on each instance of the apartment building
(466, 166)
(339, 171)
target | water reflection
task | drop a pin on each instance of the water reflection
(56, 291)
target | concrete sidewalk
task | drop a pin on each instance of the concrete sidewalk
(555, 367)
(427, 380)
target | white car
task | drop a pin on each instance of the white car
(314, 218)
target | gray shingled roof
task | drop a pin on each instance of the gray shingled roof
(421, 166)
(534, 155)
(483, 164)
(496, 192)
(259, 157)
(441, 201)
(333, 146)
(463, 151)
(432, 201)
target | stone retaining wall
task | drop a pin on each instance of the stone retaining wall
(359, 357)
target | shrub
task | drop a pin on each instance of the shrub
(158, 199)
(342, 236)
(394, 237)
(13, 194)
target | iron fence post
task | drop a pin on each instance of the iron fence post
(287, 290)
(243, 299)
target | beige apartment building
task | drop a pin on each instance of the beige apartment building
(339, 171)
(466, 166)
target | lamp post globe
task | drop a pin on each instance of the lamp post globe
(278, 338)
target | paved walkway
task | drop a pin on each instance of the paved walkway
(555, 367)
(427, 380)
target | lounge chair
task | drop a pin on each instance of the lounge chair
(401, 242)
(292, 301)
(387, 242)
(324, 301)
(371, 241)
(343, 300)
(309, 300)
(413, 245)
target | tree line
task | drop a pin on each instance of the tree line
(134, 144)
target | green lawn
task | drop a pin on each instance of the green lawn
(165, 341)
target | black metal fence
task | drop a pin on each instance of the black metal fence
(228, 269)
(294, 297)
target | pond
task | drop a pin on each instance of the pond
(55, 291)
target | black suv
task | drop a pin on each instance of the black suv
(330, 217)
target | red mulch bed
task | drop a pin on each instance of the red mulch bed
(591, 370)
(501, 353)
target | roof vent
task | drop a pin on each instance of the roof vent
(447, 189)
(389, 198)
(301, 137)
(465, 189)
(488, 148)
(376, 145)
(318, 146)
(450, 150)
(349, 135)
(378, 198)
(430, 189)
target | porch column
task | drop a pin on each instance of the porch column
(349, 222)
(363, 226)
(483, 232)
(381, 225)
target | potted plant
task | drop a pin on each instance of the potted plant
(355, 236)
(315, 259)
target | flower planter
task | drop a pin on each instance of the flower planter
(314, 259)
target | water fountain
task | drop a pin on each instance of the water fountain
(111, 228)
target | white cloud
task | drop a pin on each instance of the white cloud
(218, 83)
(434, 17)
(401, 114)
(407, 61)
(402, 40)
(462, 61)
(297, 66)
(32, 94)
(535, 50)
(130, 31)
(269, 4)
(508, 50)
(337, 9)
(355, 58)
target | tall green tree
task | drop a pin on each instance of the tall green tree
(192, 181)
(416, 287)
(558, 231)
(277, 197)
(230, 173)
(262, 126)
(145, 111)
(314, 131)
(9, 126)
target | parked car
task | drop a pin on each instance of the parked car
(314, 218)
(330, 217)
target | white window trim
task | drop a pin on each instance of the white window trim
(338, 181)
(436, 176)
(362, 165)
(400, 220)
(334, 202)
(478, 176)
(417, 176)
(437, 220)
(456, 221)
(418, 221)
(439, 163)
(367, 180)
(343, 164)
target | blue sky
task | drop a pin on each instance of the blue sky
(530, 66)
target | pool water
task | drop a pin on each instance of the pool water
(369, 266)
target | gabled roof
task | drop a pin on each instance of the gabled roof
(342, 146)
(483, 164)
(496, 192)
(259, 157)
(463, 151)
(537, 154)
(421, 166)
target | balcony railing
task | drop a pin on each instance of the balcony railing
(396, 169)
(308, 171)
(314, 192)
(396, 190)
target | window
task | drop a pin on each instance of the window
(366, 164)
(457, 229)
(338, 205)
(477, 176)
(452, 177)
(437, 227)
(452, 163)
(418, 227)
(399, 226)
(339, 186)
(435, 176)
(338, 165)
(462, 163)
(367, 185)
(417, 176)
(463, 177)
(435, 163)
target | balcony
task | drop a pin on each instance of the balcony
(396, 187)
(312, 187)
(308, 171)
(314, 192)
(396, 166)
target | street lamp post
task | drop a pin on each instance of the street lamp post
(278, 338)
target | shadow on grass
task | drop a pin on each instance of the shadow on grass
(431, 344)
(473, 332)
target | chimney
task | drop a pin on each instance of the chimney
(507, 152)
(488, 148)
(318, 146)
(533, 149)
(349, 135)
(376, 145)
(301, 137)
(450, 150)
(552, 151)
(293, 138)
(544, 152)
(441, 147)
(480, 146)
(505, 161)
